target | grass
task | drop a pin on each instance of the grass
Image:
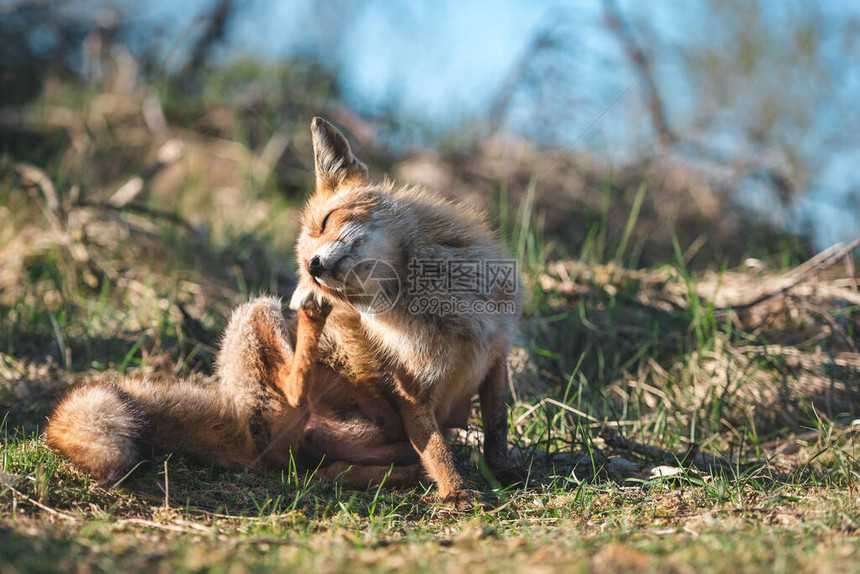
(724, 525)
(667, 425)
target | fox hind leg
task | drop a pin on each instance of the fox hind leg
(295, 382)
(260, 352)
(256, 347)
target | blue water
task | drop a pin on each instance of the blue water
(444, 63)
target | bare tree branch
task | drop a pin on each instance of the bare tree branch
(618, 26)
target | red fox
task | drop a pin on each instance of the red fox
(405, 308)
(424, 300)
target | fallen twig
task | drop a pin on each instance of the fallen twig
(38, 504)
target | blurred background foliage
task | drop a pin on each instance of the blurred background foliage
(740, 116)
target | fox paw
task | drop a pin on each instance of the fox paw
(462, 500)
(312, 304)
(316, 310)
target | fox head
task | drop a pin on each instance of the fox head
(351, 238)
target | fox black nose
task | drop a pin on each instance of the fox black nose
(315, 266)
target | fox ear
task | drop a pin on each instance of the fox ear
(333, 159)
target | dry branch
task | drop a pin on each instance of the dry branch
(803, 273)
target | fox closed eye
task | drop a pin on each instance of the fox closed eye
(325, 221)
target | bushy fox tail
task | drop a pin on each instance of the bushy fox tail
(102, 429)
(107, 429)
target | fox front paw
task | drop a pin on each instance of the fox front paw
(462, 499)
